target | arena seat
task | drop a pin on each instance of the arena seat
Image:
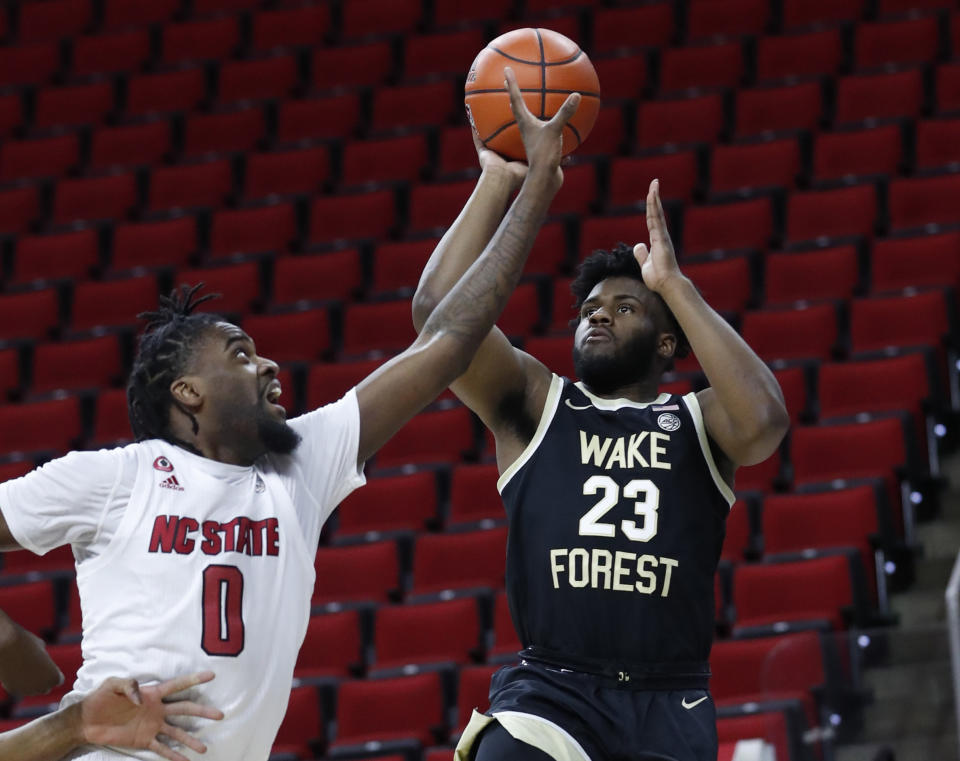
(907, 41)
(295, 336)
(391, 503)
(49, 257)
(787, 108)
(317, 118)
(811, 275)
(52, 425)
(459, 560)
(303, 725)
(898, 262)
(257, 79)
(384, 159)
(701, 67)
(272, 227)
(810, 54)
(756, 164)
(44, 157)
(165, 92)
(90, 363)
(879, 96)
(109, 52)
(430, 437)
(937, 143)
(290, 27)
(335, 275)
(332, 647)
(130, 145)
(473, 493)
(443, 631)
(163, 243)
(839, 212)
(728, 226)
(630, 176)
(680, 122)
(194, 185)
(356, 573)
(506, 642)
(199, 39)
(876, 151)
(650, 25)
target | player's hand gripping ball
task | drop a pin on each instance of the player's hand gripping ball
(549, 67)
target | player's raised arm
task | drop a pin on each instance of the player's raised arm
(118, 713)
(456, 327)
(743, 409)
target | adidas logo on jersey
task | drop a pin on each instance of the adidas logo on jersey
(171, 483)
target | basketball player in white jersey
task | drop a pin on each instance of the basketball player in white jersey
(195, 545)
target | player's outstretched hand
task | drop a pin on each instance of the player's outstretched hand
(658, 264)
(121, 713)
(492, 162)
(542, 140)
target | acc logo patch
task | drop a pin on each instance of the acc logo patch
(668, 421)
(163, 464)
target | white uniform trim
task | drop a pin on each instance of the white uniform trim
(549, 410)
(529, 728)
(616, 404)
(693, 405)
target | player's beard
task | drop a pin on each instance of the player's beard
(604, 373)
(276, 436)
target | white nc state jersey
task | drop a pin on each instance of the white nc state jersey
(190, 564)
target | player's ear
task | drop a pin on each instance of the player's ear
(666, 345)
(187, 391)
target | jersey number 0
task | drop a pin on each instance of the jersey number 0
(222, 610)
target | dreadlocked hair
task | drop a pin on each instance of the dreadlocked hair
(619, 262)
(162, 355)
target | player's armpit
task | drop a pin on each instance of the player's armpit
(7, 542)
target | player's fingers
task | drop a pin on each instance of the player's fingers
(655, 220)
(640, 253)
(567, 110)
(520, 111)
(477, 142)
(166, 751)
(183, 737)
(130, 689)
(189, 708)
(185, 682)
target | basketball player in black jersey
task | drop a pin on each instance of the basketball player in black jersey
(616, 496)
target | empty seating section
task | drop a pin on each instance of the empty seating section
(304, 159)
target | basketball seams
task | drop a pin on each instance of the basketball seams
(565, 61)
(543, 75)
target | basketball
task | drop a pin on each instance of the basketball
(549, 67)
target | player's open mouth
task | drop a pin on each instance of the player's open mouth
(273, 393)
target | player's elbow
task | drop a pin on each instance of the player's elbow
(764, 436)
(423, 305)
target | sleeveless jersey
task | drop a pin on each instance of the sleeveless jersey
(210, 567)
(617, 513)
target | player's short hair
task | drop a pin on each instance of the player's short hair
(619, 262)
(163, 353)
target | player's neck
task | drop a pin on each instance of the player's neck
(643, 390)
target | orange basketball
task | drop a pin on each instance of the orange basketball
(549, 67)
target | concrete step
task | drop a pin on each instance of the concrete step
(940, 538)
(919, 608)
(933, 572)
(929, 684)
(941, 747)
(913, 646)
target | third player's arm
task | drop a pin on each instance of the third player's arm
(456, 327)
(743, 409)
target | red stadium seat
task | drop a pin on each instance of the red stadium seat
(237, 284)
(58, 561)
(703, 67)
(814, 54)
(377, 327)
(19, 207)
(333, 275)
(579, 192)
(762, 476)
(355, 573)
(73, 105)
(550, 250)
(919, 201)
(624, 76)
(10, 379)
(604, 232)
(318, 118)
(450, 13)
(48, 257)
(223, 132)
(353, 217)
(841, 212)
(773, 163)
(130, 145)
(556, 352)
(778, 109)
(112, 302)
(205, 7)
(459, 560)
(11, 112)
(163, 92)
(397, 265)
(286, 172)
(724, 283)
(110, 52)
(91, 363)
(290, 27)
(473, 688)
(46, 157)
(427, 55)
(111, 423)
(917, 319)
(302, 724)
(328, 382)
(257, 79)
(738, 540)
(442, 436)
(823, 273)
(292, 336)
(32, 314)
(381, 710)
(54, 19)
(198, 40)
(433, 207)
(37, 426)
(432, 632)
(679, 122)
(793, 383)
(262, 228)
(523, 313)
(351, 65)
(473, 493)
(165, 243)
(708, 19)
(506, 641)
(896, 7)
(110, 197)
(333, 645)
(391, 503)
(938, 142)
(917, 261)
(127, 13)
(630, 177)
(947, 86)
(805, 332)
(823, 453)
(365, 18)
(384, 159)
(28, 64)
(802, 13)
(728, 226)
(879, 96)
(608, 134)
(190, 185)
(857, 152)
(882, 43)
(31, 604)
(425, 105)
(649, 25)
(818, 589)
(457, 152)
